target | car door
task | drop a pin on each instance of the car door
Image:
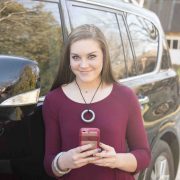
(157, 82)
(157, 88)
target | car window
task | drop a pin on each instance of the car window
(107, 22)
(32, 29)
(127, 50)
(145, 42)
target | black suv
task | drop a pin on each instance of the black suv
(32, 34)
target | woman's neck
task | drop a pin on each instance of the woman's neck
(88, 86)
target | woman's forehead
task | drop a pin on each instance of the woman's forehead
(85, 45)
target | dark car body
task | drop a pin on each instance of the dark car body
(139, 57)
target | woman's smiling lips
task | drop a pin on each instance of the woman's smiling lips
(84, 71)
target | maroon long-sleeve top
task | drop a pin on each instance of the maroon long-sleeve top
(119, 119)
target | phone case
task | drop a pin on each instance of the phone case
(89, 136)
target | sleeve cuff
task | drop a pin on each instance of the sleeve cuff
(143, 158)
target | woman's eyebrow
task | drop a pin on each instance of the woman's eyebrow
(78, 54)
(88, 53)
(92, 52)
(74, 54)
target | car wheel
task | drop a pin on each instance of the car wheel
(162, 166)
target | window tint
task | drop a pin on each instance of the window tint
(107, 22)
(32, 29)
(145, 42)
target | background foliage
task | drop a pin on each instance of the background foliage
(31, 32)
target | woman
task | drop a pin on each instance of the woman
(85, 82)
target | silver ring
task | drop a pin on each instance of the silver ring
(88, 120)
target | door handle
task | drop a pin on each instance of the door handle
(143, 100)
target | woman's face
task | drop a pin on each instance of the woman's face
(86, 60)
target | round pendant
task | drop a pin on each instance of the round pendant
(92, 116)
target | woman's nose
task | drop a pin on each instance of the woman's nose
(84, 63)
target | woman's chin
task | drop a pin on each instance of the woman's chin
(86, 80)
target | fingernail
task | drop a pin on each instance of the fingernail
(99, 150)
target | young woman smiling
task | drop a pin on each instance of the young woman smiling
(85, 94)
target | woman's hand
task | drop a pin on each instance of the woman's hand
(107, 158)
(77, 157)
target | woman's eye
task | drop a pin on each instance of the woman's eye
(75, 57)
(92, 57)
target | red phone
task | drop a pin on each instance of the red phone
(89, 136)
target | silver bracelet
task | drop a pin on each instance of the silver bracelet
(55, 165)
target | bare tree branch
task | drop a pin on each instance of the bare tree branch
(16, 22)
(5, 6)
(12, 14)
(3, 9)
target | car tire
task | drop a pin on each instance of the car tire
(162, 165)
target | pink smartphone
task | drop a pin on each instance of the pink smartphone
(89, 136)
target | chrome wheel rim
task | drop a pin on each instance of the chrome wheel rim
(160, 169)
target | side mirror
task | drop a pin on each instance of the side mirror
(19, 87)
